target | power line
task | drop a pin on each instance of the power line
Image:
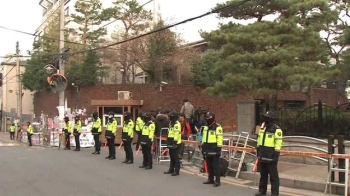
(238, 3)
(66, 41)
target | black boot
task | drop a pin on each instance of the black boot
(168, 172)
(142, 166)
(208, 182)
(148, 168)
(216, 184)
(109, 156)
(175, 174)
(126, 160)
(260, 194)
(129, 162)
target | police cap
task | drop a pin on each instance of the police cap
(147, 115)
(111, 113)
(173, 114)
(270, 114)
(127, 113)
(210, 115)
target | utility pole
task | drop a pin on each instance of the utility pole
(61, 61)
(19, 90)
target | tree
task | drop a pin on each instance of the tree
(89, 15)
(134, 20)
(34, 77)
(85, 73)
(265, 57)
(203, 74)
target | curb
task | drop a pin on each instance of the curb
(297, 184)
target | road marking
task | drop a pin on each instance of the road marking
(8, 144)
(237, 184)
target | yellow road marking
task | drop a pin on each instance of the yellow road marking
(240, 185)
(8, 144)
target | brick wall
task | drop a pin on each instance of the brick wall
(170, 97)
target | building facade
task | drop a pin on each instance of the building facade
(9, 94)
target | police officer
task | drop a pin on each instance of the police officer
(96, 132)
(77, 132)
(67, 132)
(269, 144)
(111, 131)
(173, 143)
(30, 131)
(147, 137)
(138, 127)
(12, 132)
(212, 141)
(127, 137)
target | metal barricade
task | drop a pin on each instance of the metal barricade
(162, 154)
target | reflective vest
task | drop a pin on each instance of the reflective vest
(212, 137)
(139, 124)
(30, 129)
(174, 134)
(12, 129)
(68, 126)
(77, 127)
(147, 134)
(112, 126)
(269, 141)
(128, 130)
(97, 125)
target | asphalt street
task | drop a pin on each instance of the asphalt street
(35, 171)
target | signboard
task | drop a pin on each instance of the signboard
(86, 139)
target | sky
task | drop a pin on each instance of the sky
(27, 17)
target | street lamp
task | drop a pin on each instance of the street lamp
(78, 94)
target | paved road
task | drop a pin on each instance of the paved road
(37, 171)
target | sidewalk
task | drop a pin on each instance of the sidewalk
(292, 175)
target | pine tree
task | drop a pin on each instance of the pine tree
(89, 16)
(266, 57)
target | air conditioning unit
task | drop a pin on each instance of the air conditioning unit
(124, 95)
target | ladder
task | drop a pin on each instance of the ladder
(340, 184)
(234, 153)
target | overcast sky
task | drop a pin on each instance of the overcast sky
(26, 15)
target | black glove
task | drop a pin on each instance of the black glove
(218, 151)
(276, 155)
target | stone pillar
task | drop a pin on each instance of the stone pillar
(246, 117)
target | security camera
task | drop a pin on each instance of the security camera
(162, 82)
(50, 69)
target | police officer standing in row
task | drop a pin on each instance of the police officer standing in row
(174, 144)
(127, 137)
(138, 127)
(67, 132)
(77, 132)
(146, 140)
(30, 131)
(96, 132)
(111, 131)
(12, 132)
(269, 144)
(212, 141)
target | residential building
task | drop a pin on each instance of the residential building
(9, 93)
(115, 72)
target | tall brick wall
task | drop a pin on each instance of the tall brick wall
(170, 97)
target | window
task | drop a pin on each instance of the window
(66, 11)
(44, 11)
(294, 104)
